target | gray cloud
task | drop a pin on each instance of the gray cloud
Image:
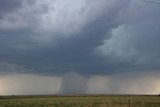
(7, 5)
(65, 50)
(45, 41)
(135, 42)
(98, 37)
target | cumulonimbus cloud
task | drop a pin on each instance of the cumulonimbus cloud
(56, 37)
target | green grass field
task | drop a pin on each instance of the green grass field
(80, 101)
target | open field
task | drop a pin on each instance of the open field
(80, 101)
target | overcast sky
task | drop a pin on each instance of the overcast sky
(95, 43)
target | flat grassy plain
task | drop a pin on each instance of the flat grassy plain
(81, 101)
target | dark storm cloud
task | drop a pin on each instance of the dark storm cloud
(136, 41)
(9, 5)
(86, 37)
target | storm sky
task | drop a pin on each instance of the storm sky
(79, 46)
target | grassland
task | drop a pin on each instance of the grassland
(80, 101)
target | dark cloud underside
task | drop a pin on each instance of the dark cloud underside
(88, 37)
